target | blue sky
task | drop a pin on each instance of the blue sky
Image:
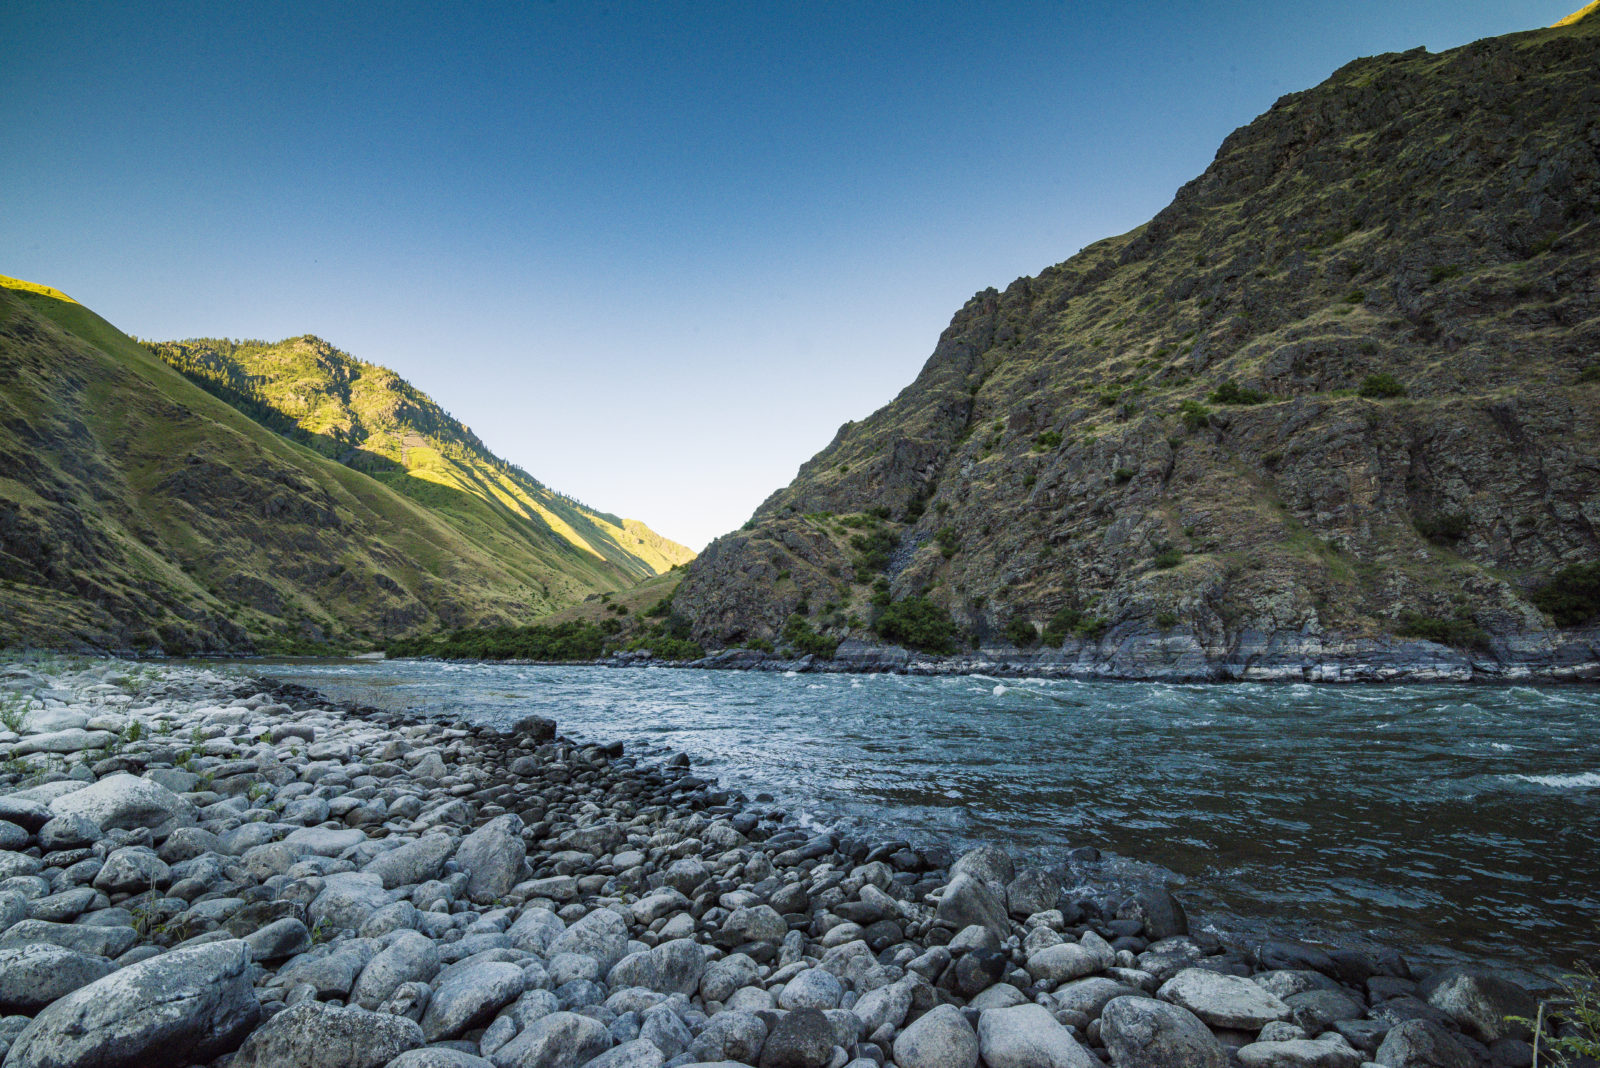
(654, 253)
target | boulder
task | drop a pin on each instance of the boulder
(412, 863)
(800, 1039)
(316, 1035)
(602, 934)
(122, 801)
(470, 998)
(1027, 1036)
(1480, 1002)
(197, 999)
(347, 898)
(1299, 1053)
(940, 1038)
(410, 958)
(34, 975)
(559, 1040)
(1141, 1032)
(492, 856)
(969, 900)
(1223, 1000)
(1422, 1044)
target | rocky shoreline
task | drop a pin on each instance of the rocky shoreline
(1178, 658)
(199, 869)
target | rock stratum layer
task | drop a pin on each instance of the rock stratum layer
(140, 512)
(1331, 412)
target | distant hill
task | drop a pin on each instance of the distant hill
(367, 417)
(1336, 401)
(139, 511)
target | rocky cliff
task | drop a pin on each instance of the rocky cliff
(1331, 412)
(139, 512)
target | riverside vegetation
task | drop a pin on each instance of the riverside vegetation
(199, 870)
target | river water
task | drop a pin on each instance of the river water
(1448, 820)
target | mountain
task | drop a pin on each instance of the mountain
(140, 512)
(367, 417)
(1331, 413)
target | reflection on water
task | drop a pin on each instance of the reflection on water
(1458, 818)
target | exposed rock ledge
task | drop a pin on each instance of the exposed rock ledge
(1249, 657)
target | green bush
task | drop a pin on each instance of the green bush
(1166, 620)
(1590, 373)
(1122, 475)
(1050, 439)
(1167, 558)
(875, 546)
(917, 623)
(1230, 392)
(803, 638)
(1195, 416)
(1381, 386)
(1572, 596)
(1072, 622)
(1021, 633)
(947, 541)
(1442, 528)
(1460, 631)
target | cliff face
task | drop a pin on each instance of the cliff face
(138, 512)
(1337, 399)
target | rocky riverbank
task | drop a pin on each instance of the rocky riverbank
(199, 870)
(1175, 657)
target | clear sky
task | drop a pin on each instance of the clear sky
(654, 253)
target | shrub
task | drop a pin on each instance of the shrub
(875, 546)
(878, 511)
(1442, 273)
(1460, 631)
(1195, 416)
(1167, 558)
(1046, 441)
(1381, 385)
(1442, 528)
(760, 645)
(1355, 296)
(917, 623)
(1590, 374)
(1072, 622)
(801, 636)
(1166, 620)
(661, 608)
(1122, 475)
(1572, 596)
(1230, 392)
(1020, 632)
(947, 541)
(576, 640)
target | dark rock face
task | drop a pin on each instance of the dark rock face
(1317, 418)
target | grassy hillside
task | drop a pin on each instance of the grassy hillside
(138, 511)
(1343, 388)
(369, 418)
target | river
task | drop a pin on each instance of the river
(1451, 821)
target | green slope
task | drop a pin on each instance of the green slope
(368, 417)
(1398, 268)
(138, 511)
